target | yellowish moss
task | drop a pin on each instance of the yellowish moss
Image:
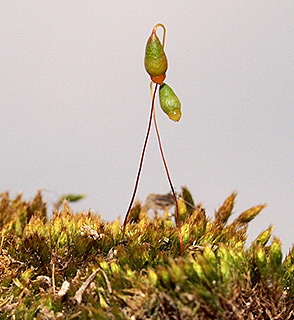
(143, 275)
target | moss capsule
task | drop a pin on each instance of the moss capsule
(155, 59)
(169, 102)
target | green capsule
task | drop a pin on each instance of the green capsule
(155, 59)
(169, 102)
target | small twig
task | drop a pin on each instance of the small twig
(79, 294)
(53, 277)
(107, 281)
(1, 245)
(64, 289)
(3, 303)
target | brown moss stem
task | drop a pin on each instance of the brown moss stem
(169, 180)
(140, 165)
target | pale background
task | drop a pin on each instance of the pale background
(75, 101)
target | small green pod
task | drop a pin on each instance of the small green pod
(155, 59)
(169, 102)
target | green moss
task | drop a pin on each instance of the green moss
(143, 277)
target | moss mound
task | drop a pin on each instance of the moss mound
(76, 266)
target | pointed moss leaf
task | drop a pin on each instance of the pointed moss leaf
(72, 197)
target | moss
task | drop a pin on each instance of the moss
(75, 266)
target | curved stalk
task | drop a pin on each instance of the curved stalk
(140, 165)
(168, 175)
(164, 32)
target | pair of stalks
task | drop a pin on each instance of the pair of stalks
(156, 66)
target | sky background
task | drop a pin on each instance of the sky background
(75, 100)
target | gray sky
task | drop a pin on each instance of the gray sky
(75, 101)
